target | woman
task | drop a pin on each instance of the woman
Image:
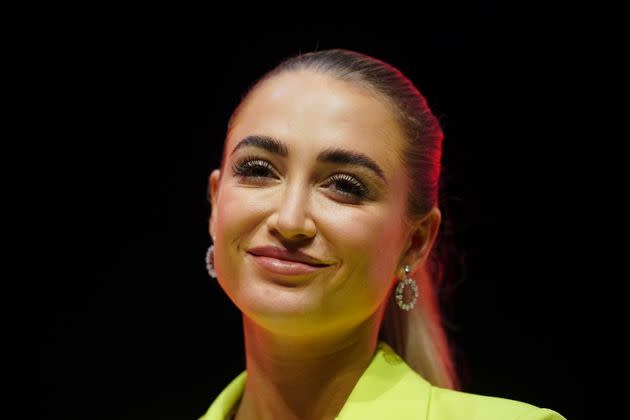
(324, 215)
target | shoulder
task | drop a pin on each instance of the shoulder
(226, 401)
(446, 404)
(390, 388)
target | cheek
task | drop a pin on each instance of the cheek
(370, 233)
(368, 241)
(236, 210)
(238, 216)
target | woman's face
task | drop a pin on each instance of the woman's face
(338, 194)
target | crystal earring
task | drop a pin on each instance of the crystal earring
(210, 260)
(400, 288)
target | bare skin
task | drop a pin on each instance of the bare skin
(309, 338)
(302, 380)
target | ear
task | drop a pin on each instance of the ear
(213, 191)
(420, 240)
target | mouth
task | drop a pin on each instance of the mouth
(283, 262)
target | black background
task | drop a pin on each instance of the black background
(135, 114)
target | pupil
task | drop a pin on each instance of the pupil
(259, 171)
(348, 186)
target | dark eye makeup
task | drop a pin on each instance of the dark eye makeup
(256, 170)
(252, 167)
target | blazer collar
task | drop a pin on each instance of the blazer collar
(388, 388)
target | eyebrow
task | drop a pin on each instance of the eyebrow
(267, 143)
(329, 155)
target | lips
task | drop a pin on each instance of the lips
(286, 255)
(285, 263)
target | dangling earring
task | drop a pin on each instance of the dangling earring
(407, 281)
(210, 260)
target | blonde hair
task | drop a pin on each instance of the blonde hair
(418, 336)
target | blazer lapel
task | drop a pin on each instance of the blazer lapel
(388, 388)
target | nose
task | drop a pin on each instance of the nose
(292, 219)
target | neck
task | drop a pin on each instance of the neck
(303, 378)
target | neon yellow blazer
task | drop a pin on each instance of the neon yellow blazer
(390, 389)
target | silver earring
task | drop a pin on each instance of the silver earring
(210, 260)
(407, 281)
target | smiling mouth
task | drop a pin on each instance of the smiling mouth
(285, 267)
(284, 254)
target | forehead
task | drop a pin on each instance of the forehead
(308, 110)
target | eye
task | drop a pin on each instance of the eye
(348, 186)
(251, 167)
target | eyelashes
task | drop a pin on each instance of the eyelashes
(252, 168)
(353, 186)
(257, 170)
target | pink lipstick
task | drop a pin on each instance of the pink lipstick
(282, 261)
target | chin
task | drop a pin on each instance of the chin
(284, 310)
(273, 299)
